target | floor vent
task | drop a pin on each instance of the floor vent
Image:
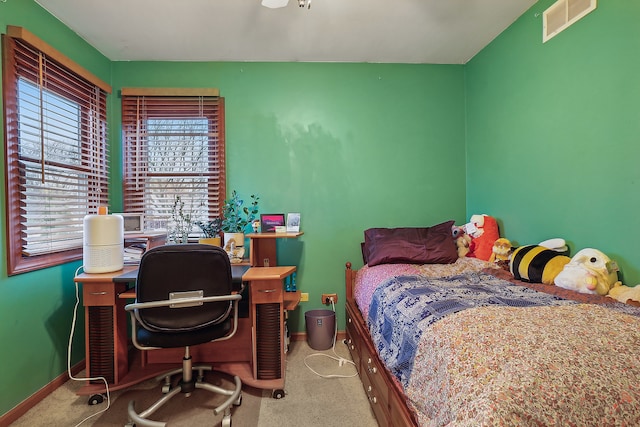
(562, 14)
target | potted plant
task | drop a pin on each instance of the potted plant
(211, 230)
(182, 224)
(237, 216)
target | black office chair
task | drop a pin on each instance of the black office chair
(184, 297)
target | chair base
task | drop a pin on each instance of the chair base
(187, 385)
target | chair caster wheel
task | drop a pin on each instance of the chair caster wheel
(238, 401)
(278, 394)
(95, 399)
(166, 388)
(226, 421)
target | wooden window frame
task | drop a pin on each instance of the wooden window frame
(93, 146)
(141, 179)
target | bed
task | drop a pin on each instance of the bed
(463, 343)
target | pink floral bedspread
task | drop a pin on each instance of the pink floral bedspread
(572, 365)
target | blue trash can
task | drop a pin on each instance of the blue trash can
(321, 327)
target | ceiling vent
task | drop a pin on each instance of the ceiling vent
(560, 15)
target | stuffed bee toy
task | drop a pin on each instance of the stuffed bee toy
(537, 264)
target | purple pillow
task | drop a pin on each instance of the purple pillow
(410, 245)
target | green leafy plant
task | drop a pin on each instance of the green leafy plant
(211, 228)
(236, 216)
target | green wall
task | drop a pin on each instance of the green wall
(553, 132)
(36, 308)
(349, 146)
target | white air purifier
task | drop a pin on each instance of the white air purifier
(103, 243)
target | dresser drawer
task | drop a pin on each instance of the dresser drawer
(376, 399)
(353, 341)
(266, 291)
(373, 372)
(94, 294)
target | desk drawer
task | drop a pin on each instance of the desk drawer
(266, 291)
(98, 294)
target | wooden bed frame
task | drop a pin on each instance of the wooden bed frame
(385, 395)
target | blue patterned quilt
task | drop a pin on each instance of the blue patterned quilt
(404, 307)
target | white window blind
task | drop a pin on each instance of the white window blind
(57, 155)
(173, 143)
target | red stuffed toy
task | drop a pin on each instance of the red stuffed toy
(483, 230)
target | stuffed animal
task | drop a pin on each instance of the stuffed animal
(537, 264)
(589, 272)
(557, 244)
(463, 240)
(624, 293)
(501, 250)
(483, 230)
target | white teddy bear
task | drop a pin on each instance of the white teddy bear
(589, 272)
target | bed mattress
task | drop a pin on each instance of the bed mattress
(470, 347)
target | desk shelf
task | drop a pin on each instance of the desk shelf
(262, 248)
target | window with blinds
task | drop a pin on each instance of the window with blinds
(173, 146)
(56, 152)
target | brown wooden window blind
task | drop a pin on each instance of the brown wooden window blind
(173, 145)
(57, 159)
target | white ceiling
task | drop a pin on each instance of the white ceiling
(385, 31)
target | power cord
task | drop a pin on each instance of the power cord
(341, 360)
(73, 327)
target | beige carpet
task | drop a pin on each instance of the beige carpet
(310, 400)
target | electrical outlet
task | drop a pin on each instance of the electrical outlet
(328, 298)
(304, 296)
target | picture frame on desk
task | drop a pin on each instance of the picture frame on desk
(269, 222)
(293, 222)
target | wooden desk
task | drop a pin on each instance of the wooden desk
(268, 309)
(256, 353)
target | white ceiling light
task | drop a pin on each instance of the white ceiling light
(274, 4)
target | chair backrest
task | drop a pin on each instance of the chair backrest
(182, 268)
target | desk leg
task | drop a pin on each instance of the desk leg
(105, 332)
(268, 342)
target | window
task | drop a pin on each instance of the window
(56, 152)
(173, 142)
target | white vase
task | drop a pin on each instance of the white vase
(237, 237)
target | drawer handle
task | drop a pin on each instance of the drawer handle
(372, 399)
(349, 320)
(99, 293)
(373, 369)
(267, 291)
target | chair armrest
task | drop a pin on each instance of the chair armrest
(166, 303)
